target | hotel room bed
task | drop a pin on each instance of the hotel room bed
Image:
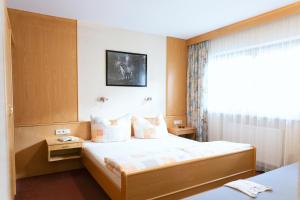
(214, 164)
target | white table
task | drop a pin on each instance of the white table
(284, 181)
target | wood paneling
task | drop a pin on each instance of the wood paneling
(9, 103)
(44, 68)
(176, 79)
(253, 21)
(31, 148)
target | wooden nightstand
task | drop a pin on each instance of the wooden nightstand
(184, 131)
(58, 150)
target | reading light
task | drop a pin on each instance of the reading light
(147, 99)
(102, 99)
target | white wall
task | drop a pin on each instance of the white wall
(93, 40)
(4, 171)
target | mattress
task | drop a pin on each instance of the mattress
(97, 152)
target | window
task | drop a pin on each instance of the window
(262, 81)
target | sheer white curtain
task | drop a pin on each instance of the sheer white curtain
(254, 92)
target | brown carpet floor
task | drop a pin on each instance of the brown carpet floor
(71, 185)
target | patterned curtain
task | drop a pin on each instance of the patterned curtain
(197, 89)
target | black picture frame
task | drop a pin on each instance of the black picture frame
(126, 69)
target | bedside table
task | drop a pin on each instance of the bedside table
(184, 131)
(58, 150)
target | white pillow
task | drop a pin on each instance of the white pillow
(149, 128)
(104, 130)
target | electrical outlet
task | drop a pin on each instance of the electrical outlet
(63, 131)
(177, 122)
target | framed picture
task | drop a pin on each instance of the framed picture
(126, 69)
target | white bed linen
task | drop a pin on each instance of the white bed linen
(98, 151)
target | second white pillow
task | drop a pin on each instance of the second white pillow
(149, 128)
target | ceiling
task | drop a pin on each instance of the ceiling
(177, 18)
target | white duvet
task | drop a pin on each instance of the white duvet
(98, 152)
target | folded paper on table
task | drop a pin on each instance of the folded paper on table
(248, 187)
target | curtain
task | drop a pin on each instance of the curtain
(197, 89)
(253, 97)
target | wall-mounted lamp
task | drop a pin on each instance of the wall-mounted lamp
(102, 99)
(148, 99)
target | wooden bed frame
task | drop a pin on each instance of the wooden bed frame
(178, 180)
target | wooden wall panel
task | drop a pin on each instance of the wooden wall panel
(176, 79)
(44, 68)
(31, 148)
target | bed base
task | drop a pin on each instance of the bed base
(107, 185)
(179, 180)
